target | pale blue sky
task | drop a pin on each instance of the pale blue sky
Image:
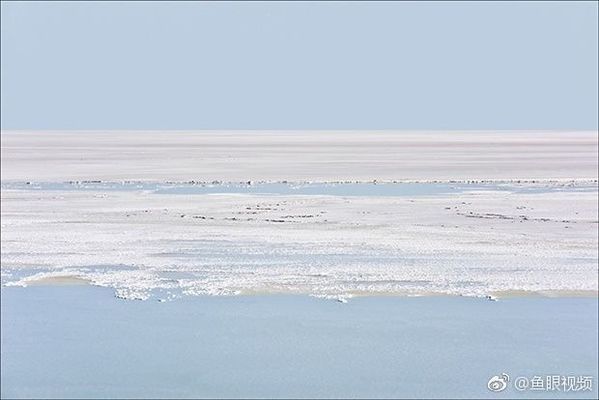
(299, 65)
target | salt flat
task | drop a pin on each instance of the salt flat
(145, 244)
(297, 156)
(88, 215)
(531, 227)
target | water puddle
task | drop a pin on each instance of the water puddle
(318, 189)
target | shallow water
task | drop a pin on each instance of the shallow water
(82, 342)
(326, 189)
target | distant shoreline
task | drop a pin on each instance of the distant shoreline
(298, 156)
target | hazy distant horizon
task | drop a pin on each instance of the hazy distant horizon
(299, 66)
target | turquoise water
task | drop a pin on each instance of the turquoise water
(79, 341)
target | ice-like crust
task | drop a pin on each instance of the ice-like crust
(144, 245)
(107, 227)
(297, 156)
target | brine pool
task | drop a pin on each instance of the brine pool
(81, 342)
(371, 189)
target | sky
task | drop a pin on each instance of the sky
(332, 65)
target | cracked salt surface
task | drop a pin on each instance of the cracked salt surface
(153, 244)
